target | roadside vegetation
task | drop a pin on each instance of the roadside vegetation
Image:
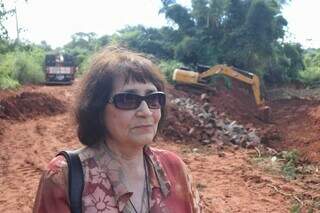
(311, 74)
(21, 65)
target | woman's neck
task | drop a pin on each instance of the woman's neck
(129, 157)
(134, 170)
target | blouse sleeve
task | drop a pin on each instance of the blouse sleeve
(193, 192)
(181, 180)
(52, 191)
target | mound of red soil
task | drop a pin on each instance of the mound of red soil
(237, 103)
(30, 105)
(297, 122)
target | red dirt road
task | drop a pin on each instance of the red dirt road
(229, 179)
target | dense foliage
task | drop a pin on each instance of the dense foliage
(3, 16)
(311, 75)
(21, 65)
(248, 34)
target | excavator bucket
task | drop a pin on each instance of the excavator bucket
(264, 114)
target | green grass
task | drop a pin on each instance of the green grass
(289, 168)
(285, 164)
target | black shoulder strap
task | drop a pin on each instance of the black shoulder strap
(76, 180)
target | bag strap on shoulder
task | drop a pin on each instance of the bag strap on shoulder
(75, 178)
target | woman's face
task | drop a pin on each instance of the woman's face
(136, 127)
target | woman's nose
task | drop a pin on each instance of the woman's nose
(143, 109)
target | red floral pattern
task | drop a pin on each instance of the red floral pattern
(104, 192)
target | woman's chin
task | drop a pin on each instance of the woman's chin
(143, 139)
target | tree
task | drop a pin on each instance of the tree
(3, 17)
(251, 32)
(83, 40)
(149, 40)
(103, 41)
(180, 16)
(81, 46)
(200, 12)
(45, 46)
(294, 53)
(188, 50)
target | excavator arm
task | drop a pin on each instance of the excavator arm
(244, 76)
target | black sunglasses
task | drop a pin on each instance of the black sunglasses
(129, 101)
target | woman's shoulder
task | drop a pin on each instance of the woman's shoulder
(53, 187)
(163, 152)
(56, 170)
(167, 157)
(57, 163)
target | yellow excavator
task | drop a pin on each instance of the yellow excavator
(194, 78)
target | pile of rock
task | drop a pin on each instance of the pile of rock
(189, 120)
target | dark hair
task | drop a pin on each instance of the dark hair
(96, 88)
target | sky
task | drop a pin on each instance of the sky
(56, 20)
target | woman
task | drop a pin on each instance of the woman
(118, 111)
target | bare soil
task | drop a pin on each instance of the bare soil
(35, 122)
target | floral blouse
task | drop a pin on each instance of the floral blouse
(170, 185)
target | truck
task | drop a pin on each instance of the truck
(59, 68)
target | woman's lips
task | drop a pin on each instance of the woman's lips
(143, 127)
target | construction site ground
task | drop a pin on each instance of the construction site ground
(36, 122)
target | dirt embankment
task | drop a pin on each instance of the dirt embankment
(30, 105)
(36, 124)
(294, 124)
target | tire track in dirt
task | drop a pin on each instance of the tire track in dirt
(230, 183)
(29, 146)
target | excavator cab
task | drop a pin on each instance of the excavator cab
(196, 78)
(202, 68)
